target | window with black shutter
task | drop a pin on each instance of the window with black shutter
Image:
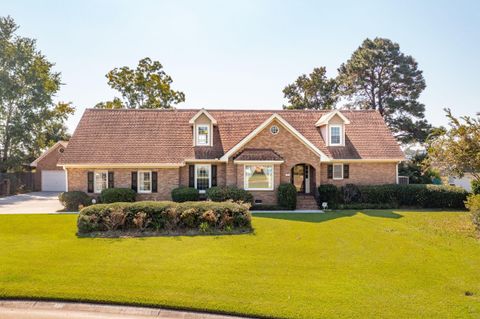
(346, 170)
(154, 182)
(110, 180)
(330, 171)
(191, 176)
(134, 181)
(90, 182)
(214, 175)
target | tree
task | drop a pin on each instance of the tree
(456, 151)
(379, 76)
(415, 169)
(29, 119)
(314, 91)
(146, 87)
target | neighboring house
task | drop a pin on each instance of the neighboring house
(49, 176)
(464, 182)
(155, 151)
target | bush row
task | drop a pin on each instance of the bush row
(76, 200)
(164, 217)
(392, 196)
(224, 193)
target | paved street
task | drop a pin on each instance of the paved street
(56, 310)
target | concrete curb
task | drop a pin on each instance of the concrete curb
(53, 309)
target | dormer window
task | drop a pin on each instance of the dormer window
(335, 134)
(203, 135)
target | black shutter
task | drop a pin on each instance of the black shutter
(214, 175)
(346, 170)
(110, 180)
(154, 182)
(191, 176)
(134, 181)
(330, 171)
(90, 182)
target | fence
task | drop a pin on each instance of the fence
(20, 182)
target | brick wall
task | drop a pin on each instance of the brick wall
(49, 162)
(168, 179)
(364, 174)
(290, 148)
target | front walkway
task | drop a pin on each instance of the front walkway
(31, 203)
(52, 310)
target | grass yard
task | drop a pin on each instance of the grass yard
(383, 264)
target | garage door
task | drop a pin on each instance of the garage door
(53, 181)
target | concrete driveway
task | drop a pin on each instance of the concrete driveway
(31, 203)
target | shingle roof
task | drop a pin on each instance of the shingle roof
(165, 136)
(258, 154)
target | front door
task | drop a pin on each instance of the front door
(298, 178)
(301, 178)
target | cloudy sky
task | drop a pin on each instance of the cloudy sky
(241, 54)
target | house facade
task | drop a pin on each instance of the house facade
(155, 151)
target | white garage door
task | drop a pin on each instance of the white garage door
(53, 181)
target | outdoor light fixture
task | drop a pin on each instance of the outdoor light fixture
(94, 201)
(325, 205)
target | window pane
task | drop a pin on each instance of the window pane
(337, 171)
(203, 177)
(100, 179)
(144, 179)
(202, 135)
(259, 176)
(335, 135)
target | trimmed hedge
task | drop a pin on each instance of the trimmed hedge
(185, 194)
(329, 193)
(225, 193)
(473, 204)
(114, 195)
(413, 195)
(164, 217)
(287, 196)
(72, 201)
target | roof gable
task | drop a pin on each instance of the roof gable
(325, 118)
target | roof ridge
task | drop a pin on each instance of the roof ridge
(227, 110)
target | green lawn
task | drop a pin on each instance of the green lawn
(387, 264)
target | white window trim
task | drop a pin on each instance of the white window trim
(333, 171)
(95, 190)
(209, 176)
(209, 135)
(140, 182)
(330, 134)
(245, 182)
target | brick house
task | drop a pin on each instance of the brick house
(155, 151)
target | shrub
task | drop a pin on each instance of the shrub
(287, 196)
(185, 194)
(164, 216)
(329, 193)
(225, 193)
(351, 193)
(114, 195)
(475, 186)
(473, 204)
(72, 200)
(414, 195)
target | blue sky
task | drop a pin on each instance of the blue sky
(241, 54)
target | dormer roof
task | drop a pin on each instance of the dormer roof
(325, 118)
(204, 112)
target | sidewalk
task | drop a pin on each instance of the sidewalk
(17, 309)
